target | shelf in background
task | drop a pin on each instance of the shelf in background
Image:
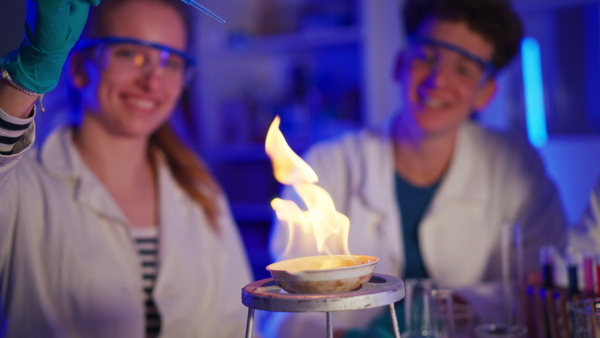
(238, 152)
(252, 212)
(303, 40)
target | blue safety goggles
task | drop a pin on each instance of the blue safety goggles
(87, 43)
(488, 66)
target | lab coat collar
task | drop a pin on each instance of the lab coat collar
(379, 172)
(462, 172)
(379, 206)
(465, 180)
(61, 160)
(184, 240)
(172, 219)
(182, 236)
(59, 156)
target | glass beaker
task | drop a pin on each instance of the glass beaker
(431, 312)
(500, 330)
(586, 318)
(418, 320)
(464, 320)
(442, 313)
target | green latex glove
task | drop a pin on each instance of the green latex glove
(51, 30)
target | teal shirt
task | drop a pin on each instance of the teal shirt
(412, 202)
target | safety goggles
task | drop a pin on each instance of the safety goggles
(464, 65)
(134, 55)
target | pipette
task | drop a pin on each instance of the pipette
(197, 5)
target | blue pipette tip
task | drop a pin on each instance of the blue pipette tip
(198, 6)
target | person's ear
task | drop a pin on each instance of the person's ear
(78, 76)
(485, 94)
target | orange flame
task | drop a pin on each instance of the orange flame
(319, 230)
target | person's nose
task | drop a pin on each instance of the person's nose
(152, 76)
(439, 74)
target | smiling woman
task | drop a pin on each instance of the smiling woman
(117, 192)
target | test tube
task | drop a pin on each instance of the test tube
(505, 248)
(198, 6)
(443, 313)
(547, 265)
(519, 264)
(588, 272)
(597, 273)
(572, 259)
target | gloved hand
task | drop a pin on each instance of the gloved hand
(51, 30)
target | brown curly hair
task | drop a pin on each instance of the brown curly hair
(495, 20)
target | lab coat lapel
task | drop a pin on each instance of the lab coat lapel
(62, 161)
(181, 245)
(465, 181)
(377, 204)
(172, 219)
(454, 227)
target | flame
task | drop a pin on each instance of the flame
(319, 230)
(288, 167)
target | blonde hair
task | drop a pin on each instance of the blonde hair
(190, 173)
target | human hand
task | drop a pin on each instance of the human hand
(51, 30)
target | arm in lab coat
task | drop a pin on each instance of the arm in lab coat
(9, 187)
(585, 234)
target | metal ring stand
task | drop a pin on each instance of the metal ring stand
(267, 295)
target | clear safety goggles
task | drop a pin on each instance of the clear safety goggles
(133, 55)
(463, 65)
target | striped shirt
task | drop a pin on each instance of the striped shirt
(11, 130)
(146, 243)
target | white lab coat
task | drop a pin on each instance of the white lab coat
(492, 178)
(68, 267)
(585, 234)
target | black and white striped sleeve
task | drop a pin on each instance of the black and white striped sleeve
(12, 130)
